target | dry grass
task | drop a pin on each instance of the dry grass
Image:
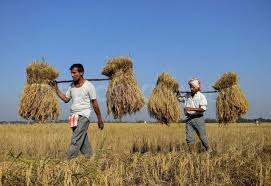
(163, 104)
(231, 102)
(34, 155)
(123, 95)
(38, 101)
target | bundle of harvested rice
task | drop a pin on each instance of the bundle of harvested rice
(163, 104)
(40, 72)
(231, 102)
(123, 95)
(38, 101)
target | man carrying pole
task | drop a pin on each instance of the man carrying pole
(195, 105)
(83, 96)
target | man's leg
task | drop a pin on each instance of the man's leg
(189, 135)
(78, 137)
(200, 130)
(86, 148)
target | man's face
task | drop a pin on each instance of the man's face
(193, 89)
(76, 75)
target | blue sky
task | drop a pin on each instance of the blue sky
(203, 38)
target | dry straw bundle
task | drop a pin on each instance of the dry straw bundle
(163, 104)
(40, 72)
(38, 101)
(231, 102)
(123, 95)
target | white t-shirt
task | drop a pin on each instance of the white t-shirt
(198, 101)
(81, 98)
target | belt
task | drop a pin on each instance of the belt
(193, 116)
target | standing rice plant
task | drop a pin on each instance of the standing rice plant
(163, 104)
(231, 103)
(123, 95)
(38, 101)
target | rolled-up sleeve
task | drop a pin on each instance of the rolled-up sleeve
(92, 91)
(203, 102)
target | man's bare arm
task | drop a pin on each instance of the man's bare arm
(98, 113)
(60, 94)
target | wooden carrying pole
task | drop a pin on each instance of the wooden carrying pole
(106, 79)
(95, 79)
(206, 92)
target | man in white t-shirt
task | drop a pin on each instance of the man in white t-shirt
(82, 93)
(195, 104)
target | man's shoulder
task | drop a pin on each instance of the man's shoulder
(201, 95)
(89, 84)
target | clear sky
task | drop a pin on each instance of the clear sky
(202, 38)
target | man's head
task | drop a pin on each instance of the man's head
(194, 85)
(77, 71)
